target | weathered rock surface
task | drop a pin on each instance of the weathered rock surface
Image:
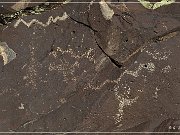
(91, 68)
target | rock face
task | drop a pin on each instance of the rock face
(90, 67)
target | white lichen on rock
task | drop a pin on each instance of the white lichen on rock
(156, 5)
(107, 12)
(66, 2)
(21, 4)
(7, 53)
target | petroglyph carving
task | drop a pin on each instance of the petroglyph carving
(35, 21)
(159, 55)
(149, 66)
(123, 102)
(88, 54)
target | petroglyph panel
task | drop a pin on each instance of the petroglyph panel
(98, 66)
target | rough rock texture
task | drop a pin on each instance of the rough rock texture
(76, 70)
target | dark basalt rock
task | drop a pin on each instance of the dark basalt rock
(76, 70)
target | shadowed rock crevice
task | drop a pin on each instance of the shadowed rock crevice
(116, 63)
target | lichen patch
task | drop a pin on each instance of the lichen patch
(107, 12)
(7, 53)
(156, 5)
